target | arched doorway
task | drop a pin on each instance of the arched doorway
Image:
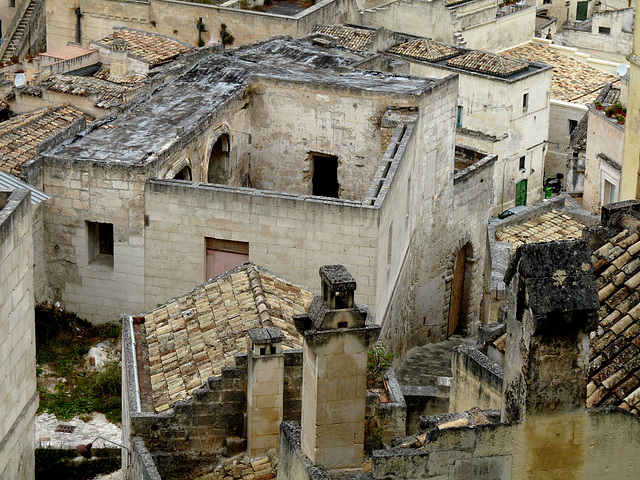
(219, 161)
(457, 300)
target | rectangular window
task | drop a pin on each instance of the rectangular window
(223, 255)
(522, 163)
(325, 176)
(604, 30)
(12, 3)
(572, 125)
(608, 193)
(546, 2)
(525, 101)
(100, 248)
(459, 117)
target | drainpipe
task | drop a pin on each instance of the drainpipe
(78, 29)
(135, 365)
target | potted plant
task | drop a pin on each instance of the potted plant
(598, 105)
(621, 119)
(609, 111)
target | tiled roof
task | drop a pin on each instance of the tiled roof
(20, 135)
(551, 226)
(350, 37)
(194, 336)
(155, 49)
(571, 80)
(614, 365)
(109, 94)
(490, 63)
(105, 74)
(425, 49)
(610, 94)
(68, 52)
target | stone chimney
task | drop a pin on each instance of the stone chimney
(265, 389)
(337, 335)
(119, 54)
(552, 306)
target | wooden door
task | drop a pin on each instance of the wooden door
(219, 261)
(457, 287)
(521, 192)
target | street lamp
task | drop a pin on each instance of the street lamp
(85, 450)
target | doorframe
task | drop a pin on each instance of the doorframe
(470, 287)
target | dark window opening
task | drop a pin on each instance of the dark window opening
(12, 3)
(525, 101)
(100, 237)
(459, 117)
(604, 30)
(263, 350)
(572, 125)
(184, 174)
(546, 2)
(521, 166)
(273, 349)
(325, 176)
(342, 324)
(218, 161)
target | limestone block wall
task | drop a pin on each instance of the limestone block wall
(292, 406)
(18, 396)
(285, 233)
(604, 137)
(499, 33)
(290, 122)
(559, 115)
(545, 446)
(142, 465)
(476, 381)
(178, 19)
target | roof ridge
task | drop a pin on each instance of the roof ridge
(259, 296)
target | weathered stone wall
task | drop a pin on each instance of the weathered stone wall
(292, 385)
(503, 32)
(476, 381)
(604, 137)
(18, 395)
(559, 115)
(553, 446)
(293, 464)
(142, 464)
(179, 19)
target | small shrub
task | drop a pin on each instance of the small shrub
(378, 361)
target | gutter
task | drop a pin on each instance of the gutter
(135, 365)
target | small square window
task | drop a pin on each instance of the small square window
(525, 101)
(100, 236)
(604, 30)
(522, 163)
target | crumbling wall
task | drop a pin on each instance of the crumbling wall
(18, 395)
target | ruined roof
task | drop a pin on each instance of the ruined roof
(610, 94)
(192, 337)
(571, 80)
(20, 135)
(350, 37)
(551, 226)
(108, 94)
(486, 62)
(425, 49)
(189, 99)
(614, 360)
(151, 47)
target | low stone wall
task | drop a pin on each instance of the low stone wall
(391, 416)
(293, 464)
(142, 464)
(476, 381)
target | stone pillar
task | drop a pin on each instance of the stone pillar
(119, 55)
(337, 335)
(265, 386)
(553, 304)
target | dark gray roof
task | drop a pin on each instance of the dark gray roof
(190, 99)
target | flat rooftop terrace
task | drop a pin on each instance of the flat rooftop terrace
(181, 104)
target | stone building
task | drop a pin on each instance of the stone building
(503, 109)
(18, 395)
(193, 170)
(574, 84)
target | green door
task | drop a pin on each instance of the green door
(581, 12)
(521, 192)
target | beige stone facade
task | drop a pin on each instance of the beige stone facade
(18, 395)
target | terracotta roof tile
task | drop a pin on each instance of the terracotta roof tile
(20, 135)
(615, 354)
(350, 37)
(105, 74)
(196, 335)
(571, 80)
(425, 49)
(155, 49)
(486, 62)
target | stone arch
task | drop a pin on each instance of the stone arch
(216, 167)
(462, 290)
(181, 170)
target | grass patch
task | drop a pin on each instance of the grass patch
(61, 341)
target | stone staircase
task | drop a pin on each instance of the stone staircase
(425, 379)
(21, 30)
(459, 39)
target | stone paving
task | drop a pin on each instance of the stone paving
(423, 365)
(85, 432)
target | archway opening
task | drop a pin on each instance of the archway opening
(219, 161)
(184, 174)
(459, 301)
